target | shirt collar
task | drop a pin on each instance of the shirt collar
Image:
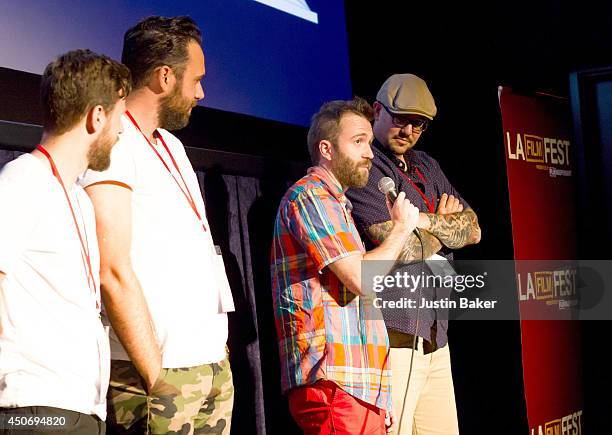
(331, 183)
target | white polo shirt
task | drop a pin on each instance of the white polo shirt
(54, 350)
(172, 256)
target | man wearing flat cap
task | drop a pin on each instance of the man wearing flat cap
(423, 396)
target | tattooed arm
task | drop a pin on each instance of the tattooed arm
(450, 226)
(412, 247)
(454, 230)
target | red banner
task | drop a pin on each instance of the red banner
(540, 169)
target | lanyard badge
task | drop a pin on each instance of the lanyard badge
(185, 191)
(84, 242)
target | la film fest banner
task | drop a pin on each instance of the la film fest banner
(545, 286)
(541, 171)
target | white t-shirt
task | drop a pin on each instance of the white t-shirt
(172, 256)
(54, 350)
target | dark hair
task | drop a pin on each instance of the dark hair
(325, 124)
(76, 82)
(158, 41)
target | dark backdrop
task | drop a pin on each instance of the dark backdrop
(464, 51)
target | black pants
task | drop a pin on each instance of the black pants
(45, 420)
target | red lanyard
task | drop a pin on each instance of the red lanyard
(430, 205)
(185, 191)
(84, 242)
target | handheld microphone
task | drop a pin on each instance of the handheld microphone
(387, 187)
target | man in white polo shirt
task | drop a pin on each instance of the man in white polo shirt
(160, 273)
(54, 351)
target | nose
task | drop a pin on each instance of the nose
(199, 91)
(369, 154)
(407, 129)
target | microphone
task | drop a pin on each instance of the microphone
(387, 187)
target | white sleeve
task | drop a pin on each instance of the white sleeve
(122, 169)
(22, 207)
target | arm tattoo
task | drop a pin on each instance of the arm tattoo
(412, 248)
(455, 230)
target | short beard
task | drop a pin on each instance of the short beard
(347, 172)
(99, 154)
(174, 110)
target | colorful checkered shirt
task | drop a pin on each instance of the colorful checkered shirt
(324, 330)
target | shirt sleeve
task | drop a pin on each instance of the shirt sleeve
(21, 211)
(319, 222)
(445, 186)
(122, 170)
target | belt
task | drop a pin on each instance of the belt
(405, 340)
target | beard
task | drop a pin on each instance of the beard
(350, 173)
(175, 110)
(99, 154)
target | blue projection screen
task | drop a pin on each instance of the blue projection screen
(273, 59)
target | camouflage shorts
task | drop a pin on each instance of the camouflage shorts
(193, 400)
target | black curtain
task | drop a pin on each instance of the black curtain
(241, 212)
(7, 156)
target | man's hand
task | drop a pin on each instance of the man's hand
(449, 204)
(403, 214)
(390, 421)
(151, 373)
(413, 247)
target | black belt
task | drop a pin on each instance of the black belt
(404, 340)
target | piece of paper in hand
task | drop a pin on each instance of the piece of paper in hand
(226, 300)
(440, 266)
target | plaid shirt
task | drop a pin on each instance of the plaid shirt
(324, 330)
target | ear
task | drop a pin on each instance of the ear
(96, 119)
(164, 78)
(326, 150)
(377, 108)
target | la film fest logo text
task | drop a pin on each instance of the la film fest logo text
(551, 286)
(412, 282)
(548, 154)
(570, 424)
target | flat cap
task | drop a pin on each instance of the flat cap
(407, 94)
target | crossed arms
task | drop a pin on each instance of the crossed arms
(450, 226)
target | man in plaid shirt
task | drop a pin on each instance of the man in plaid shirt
(334, 357)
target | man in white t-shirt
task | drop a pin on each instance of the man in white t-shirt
(54, 350)
(161, 277)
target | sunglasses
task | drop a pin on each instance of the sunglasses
(401, 121)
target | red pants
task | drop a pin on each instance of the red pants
(325, 408)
